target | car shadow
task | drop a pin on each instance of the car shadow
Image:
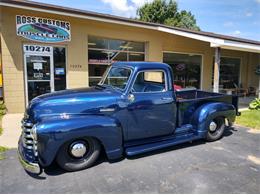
(228, 132)
(55, 170)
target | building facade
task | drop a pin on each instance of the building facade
(46, 48)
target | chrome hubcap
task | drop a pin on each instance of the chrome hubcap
(78, 149)
(212, 126)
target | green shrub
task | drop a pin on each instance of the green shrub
(2, 150)
(255, 104)
(2, 108)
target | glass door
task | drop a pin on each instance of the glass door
(38, 75)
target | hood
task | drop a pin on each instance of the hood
(74, 101)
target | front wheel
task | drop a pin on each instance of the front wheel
(78, 154)
(216, 128)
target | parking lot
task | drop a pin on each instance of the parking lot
(230, 165)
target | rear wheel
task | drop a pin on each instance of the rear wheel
(78, 154)
(216, 129)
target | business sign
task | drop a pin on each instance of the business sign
(180, 67)
(38, 49)
(42, 29)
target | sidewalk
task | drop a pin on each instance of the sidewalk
(11, 124)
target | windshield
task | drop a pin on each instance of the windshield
(117, 77)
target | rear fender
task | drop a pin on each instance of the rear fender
(54, 132)
(204, 114)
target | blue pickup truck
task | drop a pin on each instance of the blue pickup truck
(133, 110)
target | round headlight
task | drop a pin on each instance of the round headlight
(34, 132)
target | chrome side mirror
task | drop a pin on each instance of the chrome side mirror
(131, 97)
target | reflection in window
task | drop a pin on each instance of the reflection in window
(229, 73)
(149, 81)
(59, 58)
(186, 68)
(103, 52)
(117, 77)
(38, 68)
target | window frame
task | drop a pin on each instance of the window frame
(152, 92)
(24, 54)
(103, 78)
(128, 52)
(66, 63)
(201, 66)
(232, 57)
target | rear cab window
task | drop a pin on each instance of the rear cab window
(150, 81)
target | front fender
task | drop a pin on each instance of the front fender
(53, 132)
(204, 114)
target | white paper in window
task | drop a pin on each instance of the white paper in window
(37, 66)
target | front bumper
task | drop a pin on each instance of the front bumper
(29, 166)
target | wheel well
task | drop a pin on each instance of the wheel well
(227, 121)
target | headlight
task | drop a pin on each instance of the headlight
(34, 132)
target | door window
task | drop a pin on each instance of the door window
(59, 59)
(150, 81)
(38, 75)
(45, 69)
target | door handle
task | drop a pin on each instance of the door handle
(131, 98)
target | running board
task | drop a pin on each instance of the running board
(135, 150)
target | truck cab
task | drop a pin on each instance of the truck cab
(134, 109)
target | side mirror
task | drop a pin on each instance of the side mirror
(131, 97)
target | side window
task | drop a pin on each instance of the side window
(150, 81)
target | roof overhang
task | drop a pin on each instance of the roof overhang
(214, 41)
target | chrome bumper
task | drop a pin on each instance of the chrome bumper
(29, 166)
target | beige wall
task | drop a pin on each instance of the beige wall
(156, 43)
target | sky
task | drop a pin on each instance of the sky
(240, 18)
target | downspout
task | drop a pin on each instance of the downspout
(1, 58)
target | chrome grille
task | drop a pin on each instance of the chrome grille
(28, 141)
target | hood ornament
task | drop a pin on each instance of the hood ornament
(64, 116)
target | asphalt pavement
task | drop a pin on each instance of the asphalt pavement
(230, 165)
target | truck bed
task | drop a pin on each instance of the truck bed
(195, 94)
(189, 100)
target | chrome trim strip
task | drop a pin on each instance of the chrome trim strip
(107, 110)
(26, 124)
(28, 147)
(26, 130)
(28, 136)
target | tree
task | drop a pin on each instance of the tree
(166, 12)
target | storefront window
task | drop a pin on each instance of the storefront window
(229, 72)
(186, 68)
(59, 59)
(103, 52)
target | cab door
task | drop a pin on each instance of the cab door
(151, 108)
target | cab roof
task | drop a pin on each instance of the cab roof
(143, 65)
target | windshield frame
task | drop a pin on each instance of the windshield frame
(101, 82)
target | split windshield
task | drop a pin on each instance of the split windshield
(116, 77)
